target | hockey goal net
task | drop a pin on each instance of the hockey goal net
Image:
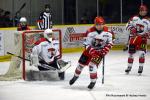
(24, 42)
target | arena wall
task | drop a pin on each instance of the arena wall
(72, 37)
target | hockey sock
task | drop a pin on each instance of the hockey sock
(78, 70)
(93, 72)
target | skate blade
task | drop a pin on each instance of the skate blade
(66, 67)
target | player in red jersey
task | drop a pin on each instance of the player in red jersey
(97, 44)
(139, 28)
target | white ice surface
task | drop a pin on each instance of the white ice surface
(117, 86)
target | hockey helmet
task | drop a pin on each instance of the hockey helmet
(48, 34)
(23, 19)
(143, 8)
(99, 20)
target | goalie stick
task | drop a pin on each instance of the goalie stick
(43, 62)
(30, 60)
(18, 56)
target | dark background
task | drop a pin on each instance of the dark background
(72, 11)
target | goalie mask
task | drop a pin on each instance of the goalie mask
(48, 34)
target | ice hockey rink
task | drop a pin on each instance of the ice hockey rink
(117, 86)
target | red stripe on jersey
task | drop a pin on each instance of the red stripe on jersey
(40, 40)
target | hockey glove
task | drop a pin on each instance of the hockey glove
(95, 53)
(106, 49)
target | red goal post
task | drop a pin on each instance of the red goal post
(29, 37)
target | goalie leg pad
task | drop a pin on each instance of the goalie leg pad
(33, 75)
(34, 60)
(49, 75)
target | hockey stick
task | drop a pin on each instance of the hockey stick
(18, 56)
(103, 69)
(43, 62)
(24, 4)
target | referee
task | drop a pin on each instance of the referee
(45, 19)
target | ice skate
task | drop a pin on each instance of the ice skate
(64, 65)
(73, 80)
(91, 85)
(140, 70)
(61, 75)
(128, 69)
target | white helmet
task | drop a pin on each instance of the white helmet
(23, 19)
(48, 34)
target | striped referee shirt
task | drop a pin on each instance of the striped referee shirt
(45, 21)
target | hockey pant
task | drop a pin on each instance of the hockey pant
(87, 60)
(137, 43)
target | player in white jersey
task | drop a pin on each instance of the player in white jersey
(45, 54)
(139, 28)
(97, 45)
